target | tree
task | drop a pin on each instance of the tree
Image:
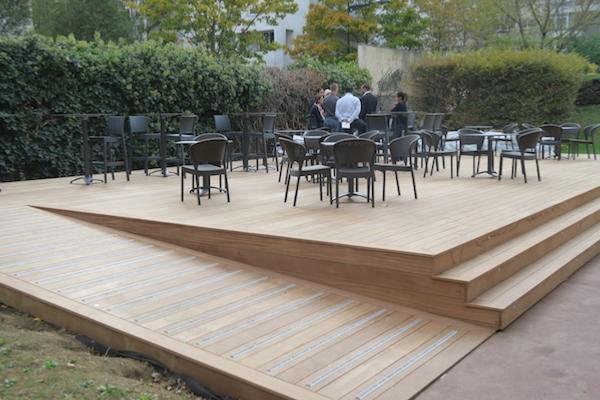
(224, 28)
(14, 16)
(459, 24)
(550, 23)
(401, 25)
(82, 18)
(332, 31)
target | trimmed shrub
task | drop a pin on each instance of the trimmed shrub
(345, 73)
(292, 93)
(495, 87)
(589, 92)
(587, 46)
(41, 76)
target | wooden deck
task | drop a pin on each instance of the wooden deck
(263, 300)
(239, 330)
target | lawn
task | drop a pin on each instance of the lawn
(39, 361)
(587, 115)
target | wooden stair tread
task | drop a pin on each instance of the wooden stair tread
(477, 266)
(504, 294)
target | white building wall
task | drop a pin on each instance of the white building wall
(286, 30)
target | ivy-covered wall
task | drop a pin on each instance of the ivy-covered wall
(40, 76)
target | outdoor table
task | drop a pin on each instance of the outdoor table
(245, 118)
(162, 150)
(87, 177)
(490, 136)
(480, 127)
(205, 179)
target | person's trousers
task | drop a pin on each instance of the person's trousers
(332, 123)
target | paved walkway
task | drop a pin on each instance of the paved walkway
(551, 353)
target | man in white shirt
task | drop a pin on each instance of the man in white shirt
(347, 110)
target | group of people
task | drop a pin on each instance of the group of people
(347, 112)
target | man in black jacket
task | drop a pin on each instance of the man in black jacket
(368, 102)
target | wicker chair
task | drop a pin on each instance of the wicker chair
(402, 150)
(527, 141)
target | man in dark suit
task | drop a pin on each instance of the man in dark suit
(368, 102)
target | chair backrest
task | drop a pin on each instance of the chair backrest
(590, 131)
(403, 148)
(551, 131)
(377, 122)
(313, 139)
(316, 132)
(222, 123)
(209, 151)
(510, 128)
(438, 119)
(432, 140)
(115, 126)
(351, 152)
(138, 124)
(410, 120)
(368, 134)
(428, 122)
(468, 136)
(527, 125)
(295, 151)
(570, 129)
(207, 136)
(528, 139)
(268, 123)
(337, 136)
(186, 124)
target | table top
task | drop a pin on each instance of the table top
(479, 126)
(186, 142)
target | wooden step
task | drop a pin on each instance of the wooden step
(483, 272)
(515, 295)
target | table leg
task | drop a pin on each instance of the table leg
(163, 147)
(88, 177)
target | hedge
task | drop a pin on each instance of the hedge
(495, 86)
(41, 76)
(589, 92)
(345, 73)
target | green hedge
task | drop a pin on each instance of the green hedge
(495, 87)
(589, 93)
(345, 73)
(41, 76)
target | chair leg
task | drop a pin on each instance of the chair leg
(208, 178)
(478, 163)
(182, 177)
(287, 187)
(500, 168)
(537, 166)
(458, 165)
(412, 175)
(368, 190)
(321, 187)
(398, 181)
(329, 187)
(337, 192)
(451, 166)
(105, 158)
(523, 169)
(383, 191)
(146, 149)
(226, 185)
(197, 178)
(372, 181)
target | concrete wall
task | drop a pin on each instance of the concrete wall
(390, 69)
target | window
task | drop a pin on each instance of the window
(269, 36)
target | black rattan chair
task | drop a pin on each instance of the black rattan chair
(208, 159)
(509, 130)
(296, 154)
(470, 143)
(590, 136)
(111, 142)
(402, 151)
(139, 130)
(527, 141)
(431, 150)
(570, 135)
(355, 159)
(551, 136)
(223, 126)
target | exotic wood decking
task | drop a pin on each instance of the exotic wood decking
(478, 250)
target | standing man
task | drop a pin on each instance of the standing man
(368, 102)
(347, 111)
(400, 120)
(329, 109)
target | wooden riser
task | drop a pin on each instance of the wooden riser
(483, 272)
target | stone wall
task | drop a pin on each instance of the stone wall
(390, 69)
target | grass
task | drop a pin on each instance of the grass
(39, 361)
(587, 115)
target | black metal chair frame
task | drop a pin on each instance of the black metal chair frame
(527, 141)
(139, 129)
(115, 136)
(551, 136)
(402, 149)
(355, 165)
(208, 159)
(470, 137)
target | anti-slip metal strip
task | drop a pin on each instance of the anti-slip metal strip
(152, 280)
(127, 261)
(369, 390)
(257, 319)
(135, 271)
(291, 330)
(349, 328)
(167, 310)
(226, 309)
(375, 346)
(161, 294)
(60, 264)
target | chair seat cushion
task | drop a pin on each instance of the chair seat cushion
(204, 169)
(354, 172)
(391, 167)
(310, 170)
(517, 154)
